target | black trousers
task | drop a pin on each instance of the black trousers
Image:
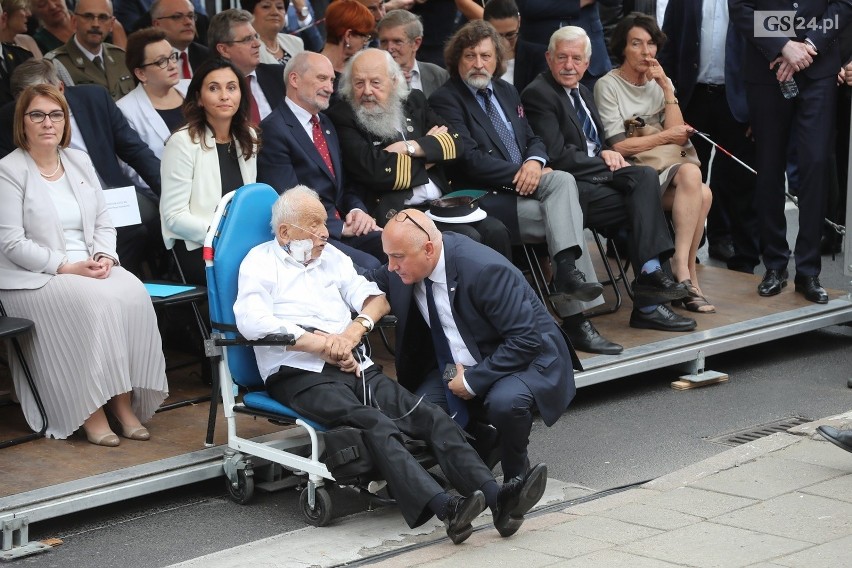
(772, 118)
(334, 398)
(632, 201)
(733, 186)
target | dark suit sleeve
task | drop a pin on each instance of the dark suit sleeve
(370, 165)
(546, 115)
(501, 300)
(381, 276)
(130, 147)
(842, 11)
(7, 119)
(478, 162)
(274, 164)
(670, 53)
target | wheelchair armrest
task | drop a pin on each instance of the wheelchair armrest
(387, 321)
(271, 339)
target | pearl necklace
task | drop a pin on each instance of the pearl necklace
(50, 175)
(272, 51)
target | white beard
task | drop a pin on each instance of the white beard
(383, 123)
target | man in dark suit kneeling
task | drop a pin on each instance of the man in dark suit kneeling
(472, 335)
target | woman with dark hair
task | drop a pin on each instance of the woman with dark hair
(642, 121)
(349, 28)
(269, 19)
(214, 153)
(97, 344)
(153, 108)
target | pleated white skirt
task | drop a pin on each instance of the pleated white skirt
(93, 339)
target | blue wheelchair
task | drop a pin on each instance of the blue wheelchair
(241, 222)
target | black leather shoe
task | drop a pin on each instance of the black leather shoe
(585, 337)
(773, 282)
(516, 497)
(572, 285)
(841, 439)
(721, 251)
(811, 288)
(462, 512)
(656, 287)
(662, 318)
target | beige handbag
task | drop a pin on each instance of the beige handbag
(664, 155)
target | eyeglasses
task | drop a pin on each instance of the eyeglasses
(509, 36)
(402, 216)
(163, 62)
(367, 37)
(180, 17)
(37, 116)
(248, 40)
(89, 17)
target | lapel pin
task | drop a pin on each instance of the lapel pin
(520, 111)
(328, 131)
(409, 128)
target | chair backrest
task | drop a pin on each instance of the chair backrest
(241, 223)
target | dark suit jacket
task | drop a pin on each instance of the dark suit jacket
(503, 324)
(681, 56)
(761, 50)
(270, 77)
(431, 77)
(106, 133)
(288, 158)
(485, 161)
(380, 172)
(12, 57)
(198, 54)
(552, 115)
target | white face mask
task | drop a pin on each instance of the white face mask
(301, 250)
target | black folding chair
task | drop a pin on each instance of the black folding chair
(11, 328)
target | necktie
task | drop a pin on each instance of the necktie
(502, 130)
(99, 63)
(586, 120)
(186, 72)
(457, 406)
(320, 143)
(254, 112)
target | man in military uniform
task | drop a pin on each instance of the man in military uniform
(396, 145)
(87, 57)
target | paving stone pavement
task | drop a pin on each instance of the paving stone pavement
(780, 501)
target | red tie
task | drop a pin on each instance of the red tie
(254, 112)
(320, 143)
(184, 64)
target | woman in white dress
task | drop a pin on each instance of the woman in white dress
(269, 20)
(96, 345)
(153, 108)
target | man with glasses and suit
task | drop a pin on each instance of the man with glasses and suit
(177, 19)
(231, 36)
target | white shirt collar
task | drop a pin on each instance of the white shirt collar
(302, 115)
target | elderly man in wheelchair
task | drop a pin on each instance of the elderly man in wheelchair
(298, 284)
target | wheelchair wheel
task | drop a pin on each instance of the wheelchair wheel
(320, 516)
(244, 490)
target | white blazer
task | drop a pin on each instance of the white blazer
(143, 117)
(32, 243)
(192, 187)
(290, 43)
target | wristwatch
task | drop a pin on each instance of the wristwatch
(368, 326)
(304, 12)
(409, 147)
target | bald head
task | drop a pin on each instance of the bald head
(297, 215)
(413, 244)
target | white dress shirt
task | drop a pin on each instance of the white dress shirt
(714, 33)
(460, 352)
(277, 294)
(415, 82)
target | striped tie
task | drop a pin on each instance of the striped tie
(586, 121)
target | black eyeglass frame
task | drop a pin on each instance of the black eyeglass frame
(163, 62)
(392, 214)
